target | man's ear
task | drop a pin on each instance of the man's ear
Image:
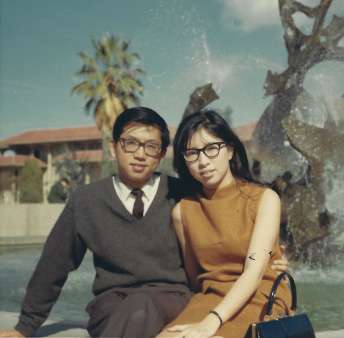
(112, 146)
(163, 154)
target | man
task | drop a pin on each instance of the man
(125, 220)
(59, 191)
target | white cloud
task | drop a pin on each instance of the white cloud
(250, 15)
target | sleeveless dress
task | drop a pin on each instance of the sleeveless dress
(218, 234)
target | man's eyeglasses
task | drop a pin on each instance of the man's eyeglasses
(130, 145)
(211, 150)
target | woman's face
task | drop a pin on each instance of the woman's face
(214, 172)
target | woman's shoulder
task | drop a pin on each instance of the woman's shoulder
(182, 210)
(188, 205)
(252, 190)
(188, 200)
(255, 194)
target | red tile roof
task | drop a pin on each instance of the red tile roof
(18, 161)
(46, 136)
(88, 133)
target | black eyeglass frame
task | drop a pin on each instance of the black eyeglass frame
(219, 145)
(139, 144)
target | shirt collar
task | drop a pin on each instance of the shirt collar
(148, 188)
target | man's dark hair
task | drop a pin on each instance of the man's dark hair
(145, 116)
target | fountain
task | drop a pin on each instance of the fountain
(286, 141)
(270, 146)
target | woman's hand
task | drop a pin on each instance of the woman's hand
(204, 329)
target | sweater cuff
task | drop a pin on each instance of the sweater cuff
(25, 329)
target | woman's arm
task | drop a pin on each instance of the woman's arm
(263, 240)
(190, 263)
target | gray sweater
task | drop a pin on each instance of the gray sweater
(127, 252)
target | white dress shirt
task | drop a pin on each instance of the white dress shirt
(124, 192)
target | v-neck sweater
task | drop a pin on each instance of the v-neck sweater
(127, 252)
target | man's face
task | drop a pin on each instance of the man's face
(135, 168)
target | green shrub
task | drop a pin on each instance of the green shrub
(30, 183)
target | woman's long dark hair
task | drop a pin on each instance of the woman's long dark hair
(217, 126)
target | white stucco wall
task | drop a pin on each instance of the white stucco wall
(22, 223)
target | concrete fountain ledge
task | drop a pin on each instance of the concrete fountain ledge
(77, 329)
(50, 328)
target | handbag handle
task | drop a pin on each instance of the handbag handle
(274, 289)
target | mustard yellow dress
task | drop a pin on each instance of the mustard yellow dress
(218, 234)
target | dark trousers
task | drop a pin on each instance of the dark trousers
(139, 312)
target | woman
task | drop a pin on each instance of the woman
(228, 229)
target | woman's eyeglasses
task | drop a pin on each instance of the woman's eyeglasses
(211, 150)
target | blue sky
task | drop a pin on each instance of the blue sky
(182, 44)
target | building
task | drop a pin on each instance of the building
(51, 146)
(48, 146)
(10, 167)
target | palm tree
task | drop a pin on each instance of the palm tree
(110, 82)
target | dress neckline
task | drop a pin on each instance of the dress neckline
(224, 192)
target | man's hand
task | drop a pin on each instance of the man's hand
(204, 329)
(281, 265)
(10, 334)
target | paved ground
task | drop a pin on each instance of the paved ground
(76, 329)
(49, 329)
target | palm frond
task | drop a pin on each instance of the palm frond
(81, 88)
(88, 60)
(110, 80)
(89, 104)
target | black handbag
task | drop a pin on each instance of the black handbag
(289, 326)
